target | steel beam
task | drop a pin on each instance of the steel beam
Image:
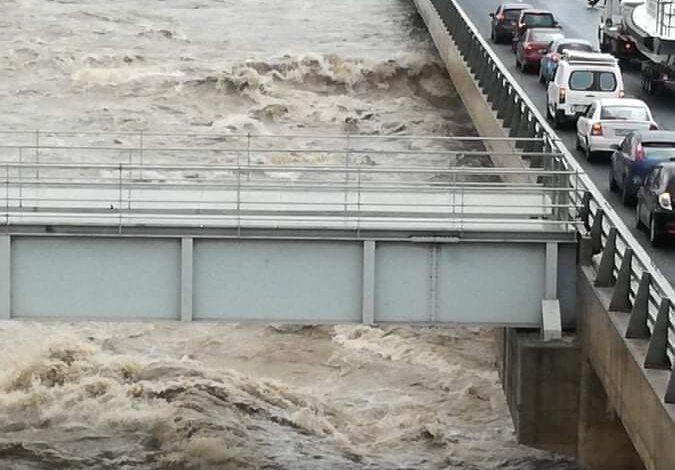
(368, 295)
(5, 277)
(186, 278)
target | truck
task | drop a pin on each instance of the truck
(612, 34)
(643, 29)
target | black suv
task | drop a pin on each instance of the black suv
(504, 20)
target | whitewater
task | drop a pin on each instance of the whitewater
(156, 396)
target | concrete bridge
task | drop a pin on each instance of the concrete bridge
(605, 393)
(361, 229)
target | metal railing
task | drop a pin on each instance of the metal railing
(639, 287)
(235, 180)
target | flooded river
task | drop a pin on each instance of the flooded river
(231, 396)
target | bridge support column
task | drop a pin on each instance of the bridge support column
(541, 384)
(603, 443)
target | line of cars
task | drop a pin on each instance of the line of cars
(585, 86)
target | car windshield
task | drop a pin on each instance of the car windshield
(574, 46)
(544, 36)
(659, 150)
(511, 14)
(626, 113)
(587, 80)
(541, 20)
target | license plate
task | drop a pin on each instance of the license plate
(622, 131)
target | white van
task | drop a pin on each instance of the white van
(581, 79)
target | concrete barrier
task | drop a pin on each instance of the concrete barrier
(483, 117)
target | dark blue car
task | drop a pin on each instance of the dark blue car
(635, 157)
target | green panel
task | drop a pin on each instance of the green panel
(314, 281)
(95, 277)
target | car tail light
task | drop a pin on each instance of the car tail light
(621, 94)
(628, 46)
(562, 95)
(640, 152)
(665, 77)
(529, 46)
(500, 17)
(555, 57)
(665, 202)
(596, 129)
(653, 127)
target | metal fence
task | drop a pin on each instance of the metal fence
(422, 183)
(639, 287)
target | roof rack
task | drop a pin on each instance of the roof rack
(591, 58)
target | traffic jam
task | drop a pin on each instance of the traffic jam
(584, 91)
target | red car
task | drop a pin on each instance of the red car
(533, 45)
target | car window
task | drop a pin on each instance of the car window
(659, 150)
(512, 15)
(544, 36)
(630, 113)
(574, 46)
(588, 80)
(539, 20)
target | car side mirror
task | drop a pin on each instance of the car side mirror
(492, 15)
(557, 25)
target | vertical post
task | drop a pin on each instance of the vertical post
(186, 278)
(119, 190)
(433, 282)
(5, 277)
(347, 178)
(248, 157)
(551, 273)
(605, 276)
(37, 154)
(368, 295)
(657, 351)
(20, 177)
(141, 154)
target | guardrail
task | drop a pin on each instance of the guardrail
(234, 180)
(639, 287)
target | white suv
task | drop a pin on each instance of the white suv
(581, 79)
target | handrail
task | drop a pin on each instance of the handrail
(643, 290)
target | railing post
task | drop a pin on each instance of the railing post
(119, 208)
(637, 323)
(368, 287)
(657, 352)
(621, 296)
(605, 277)
(596, 231)
(515, 118)
(186, 278)
(585, 211)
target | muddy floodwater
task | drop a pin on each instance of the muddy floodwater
(216, 396)
(172, 396)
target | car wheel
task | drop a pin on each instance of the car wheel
(590, 155)
(557, 120)
(626, 198)
(542, 80)
(655, 237)
(638, 208)
(612, 182)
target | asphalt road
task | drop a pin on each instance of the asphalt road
(579, 21)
